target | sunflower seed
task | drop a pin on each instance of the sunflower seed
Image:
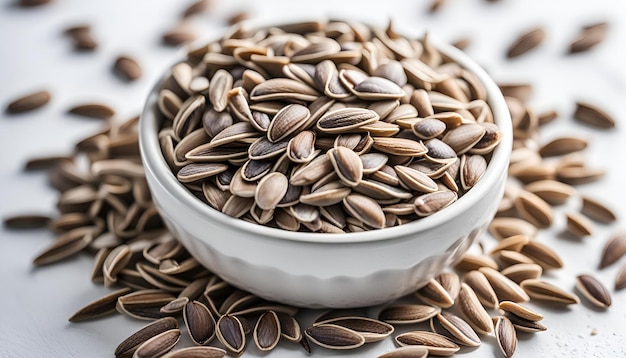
(377, 88)
(472, 169)
(520, 272)
(312, 171)
(287, 121)
(431, 203)
(407, 314)
(593, 290)
(541, 290)
(199, 322)
(472, 309)
(66, 245)
(542, 255)
(127, 68)
(471, 262)
(158, 345)
(329, 194)
(178, 35)
(29, 102)
(464, 137)
(281, 89)
(551, 191)
(456, 328)
(130, 344)
(435, 343)
(614, 249)
(504, 227)
(588, 37)
(435, 294)
(506, 336)
(365, 209)
(301, 148)
(27, 221)
(372, 330)
(100, 307)
(524, 325)
(593, 115)
(199, 171)
(562, 146)
(579, 225)
(343, 120)
(597, 211)
(620, 279)
(513, 243)
(93, 110)
(519, 311)
(526, 42)
(231, 334)
(415, 179)
(504, 287)
(289, 327)
(334, 337)
(533, 209)
(428, 128)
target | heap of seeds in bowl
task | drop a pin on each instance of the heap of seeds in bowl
(325, 127)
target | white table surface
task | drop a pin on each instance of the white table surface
(36, 302)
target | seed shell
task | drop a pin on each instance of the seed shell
(456, 328)
(267, 331)
(541, 290)
(614, 249)
(506, 336)
(526, 42)
(597, 210)
(371, 329)
(504, 287)
(593, 115)
(199, 321)
(127, 68)
(158, 345)
(230, 333)
(435, 343)
(473, 311)
(407, 314)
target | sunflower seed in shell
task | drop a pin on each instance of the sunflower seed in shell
(482, 288)
(220, 85)
(407, 313)
(507, 258)
(415, 179)
(473, 311)
(236, 206)
(175, 306)
(200, 322)
(431, 203)
(513, 243)
(329, 194)
(579, 225)
(503, 227)
(428, 128)
(262, 149)
(542, 255)
(551, 191)
(178, 36)
(524, 325)
(287, 121)
(579, 175)
(597, 210)
(614, 249)
(455, 328)
(347, 165)
(377, 88)
(93, 110)
(158, 345)
(29, 102)
(520, 311)
(130, 344)
(506, 336)
(289, 327)
(439, 151)
(231, 334)
(233, 133)
(593, 115)
(253, 170)
(520, 272)
(66, 245)
(199, 171)
(435, 343)
(406, 352)
(214, 122)
(189, 116)
(100, 307)
(270, 190)
(283, 88)
(471, 262)
(562, 146)
(472, 169)
(534, 209)
(541, 290)
(311, 172)
(127, 68)
(365, 209)
(26, 221)
(434, 293)
(588, 37)
(347, 119)
(114, 263)
(197, 352)
(334, 337)
(593, 290)
(301, 148)
(521, 91)
(504, 287)
(267, 331)
(526, 42)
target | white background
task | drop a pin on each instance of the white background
(36, 302)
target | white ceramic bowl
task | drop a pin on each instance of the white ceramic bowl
(328, 270)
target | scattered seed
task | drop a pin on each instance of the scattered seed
(435, 343)
(26, 221)
(526, 42)
(93, 110)
(597, 210)
(589, 37)
(130, 344)
(593, 115)
(614, 249)
(29, 102)
(506, 336)
(541, 290)
(334, 337)
(158, 345)
(407, 314)
(579, 225)
(593, 290)
(127, 68)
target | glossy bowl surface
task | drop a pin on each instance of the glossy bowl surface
(328, 270)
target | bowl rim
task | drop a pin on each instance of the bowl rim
(155, 163)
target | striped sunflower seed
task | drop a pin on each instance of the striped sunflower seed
(130, 344)
(456, 328)
(504, 287)
(473, 311)
(520, 272)
(520, 311)
(506, 336)
(597, 210)
(588, 37)
(562, 146)
(27, 221)
(593, 290)
(542, 255)
(614, 249)
(478, 282)
(471, 262)
(579, 225)
(158, 345)
(332, 336)
(526, 42)
(524, 325)
(200, 322)
(347, 165)
(593, 115)
(551, 191)
(407, 314)
(365, 209)
(372, 330)
(230, 333)
(541, 290)
(435, 343)
(267, 331)
(100, 307)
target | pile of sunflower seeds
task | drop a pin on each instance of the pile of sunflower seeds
(105, 209)
(326, 127)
